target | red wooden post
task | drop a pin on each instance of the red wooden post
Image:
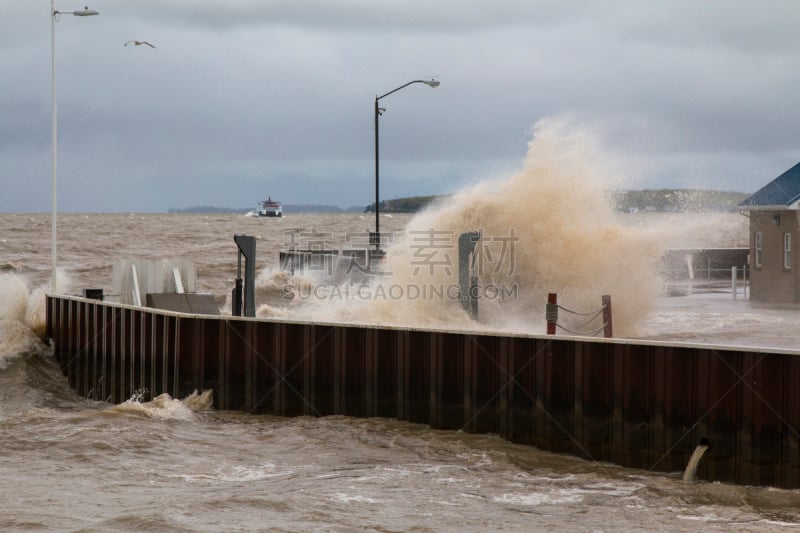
(607, 326)
(551, 313)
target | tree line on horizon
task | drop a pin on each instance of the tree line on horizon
(693, 200)
(661, 200)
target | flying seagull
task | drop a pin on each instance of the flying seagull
(139, 43)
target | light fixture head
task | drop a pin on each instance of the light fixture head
(431, 83)
(85, 12)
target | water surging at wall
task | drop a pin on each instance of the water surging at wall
(547, 228)
(690, 473)
(22, 317)
(165, 407)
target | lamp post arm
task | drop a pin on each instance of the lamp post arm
(401, 87)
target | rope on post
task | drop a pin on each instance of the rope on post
(551, 316)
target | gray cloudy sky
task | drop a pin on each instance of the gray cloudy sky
(254, 97)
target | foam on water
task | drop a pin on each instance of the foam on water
(199, 401)
(283, 293)
(244, 473)
(535, 498)
(341, 497)
(238, 473)
(164, 406)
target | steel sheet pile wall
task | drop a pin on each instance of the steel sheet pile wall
(642, 405)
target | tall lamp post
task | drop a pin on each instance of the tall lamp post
(378, 112)
(54, 15)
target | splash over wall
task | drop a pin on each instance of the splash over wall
(549, 227)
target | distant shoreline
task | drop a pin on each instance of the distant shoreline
(648, 200)
(287, 208)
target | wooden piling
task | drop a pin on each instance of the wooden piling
(551, 313)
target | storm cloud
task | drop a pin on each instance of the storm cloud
(243, 99)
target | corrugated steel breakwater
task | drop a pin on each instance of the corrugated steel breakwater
(637, 404)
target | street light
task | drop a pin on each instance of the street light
(378, 112)
(54, 15)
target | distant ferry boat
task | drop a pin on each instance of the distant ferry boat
(269, 208)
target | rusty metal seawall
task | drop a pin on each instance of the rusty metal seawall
(637, 404)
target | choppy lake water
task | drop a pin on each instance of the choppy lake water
(67, 463)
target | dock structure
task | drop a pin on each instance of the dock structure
(637, 404)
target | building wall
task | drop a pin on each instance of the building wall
(772, 282)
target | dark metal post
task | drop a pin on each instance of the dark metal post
(378, 111)
(236, 298)
(247, 247)
(467, 295)
(236, 295)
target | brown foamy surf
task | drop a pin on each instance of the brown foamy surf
(547, 228)
(22, 318)
(560, 233)
(165, 407)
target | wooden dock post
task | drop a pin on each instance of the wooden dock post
(608, 330)
(551, 313)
